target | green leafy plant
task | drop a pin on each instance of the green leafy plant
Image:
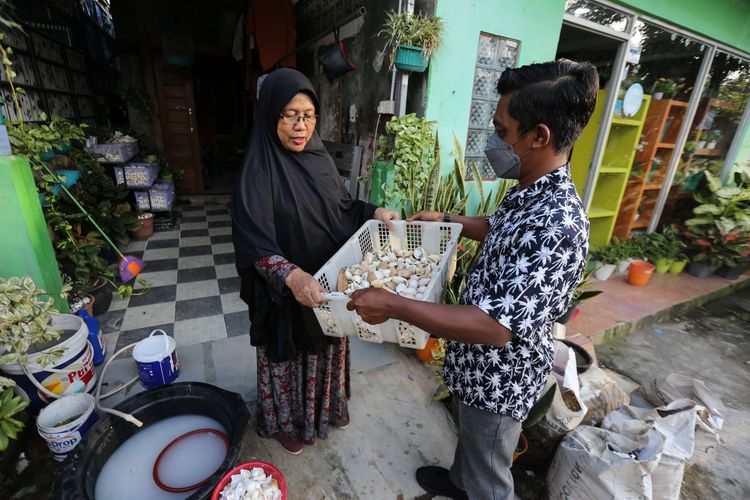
(413, 153)
(10, 406)
(666, 86)
(583, 291)
(26, 313)
(606, 254)
(719, 231)
(125, 290)
(419, 30)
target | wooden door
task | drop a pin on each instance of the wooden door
(179, 130)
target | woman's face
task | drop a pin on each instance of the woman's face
(296, 123)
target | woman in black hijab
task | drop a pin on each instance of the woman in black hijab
(290, 214)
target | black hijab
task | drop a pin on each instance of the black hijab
(289, 204)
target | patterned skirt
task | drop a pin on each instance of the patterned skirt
(301, 398)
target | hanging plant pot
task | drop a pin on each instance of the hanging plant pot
(63, 147)
(68, 177)
(410, 58)
(47, 155)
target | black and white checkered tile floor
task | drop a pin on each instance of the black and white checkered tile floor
(194, 293)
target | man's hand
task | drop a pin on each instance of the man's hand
(305, 288)
(427, 216)
(386, 216)
(374, 305)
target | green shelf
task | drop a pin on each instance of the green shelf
(627, 122)
(615, 167)
(597, 213)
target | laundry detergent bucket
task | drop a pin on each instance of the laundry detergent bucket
(72, 372)
(64, 422)
(157, 360)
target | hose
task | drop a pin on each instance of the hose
(130, 418)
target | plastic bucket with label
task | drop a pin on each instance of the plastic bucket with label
(157, 360)
(72, 372)
(64, 422)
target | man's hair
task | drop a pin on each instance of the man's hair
(561, 94)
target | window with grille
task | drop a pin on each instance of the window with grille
(495, 55)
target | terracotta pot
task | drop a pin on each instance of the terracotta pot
(640, 272)
(425, 355)
(90, 305)
(146, 229)
(522, 446)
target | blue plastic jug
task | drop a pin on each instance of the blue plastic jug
(95, 336)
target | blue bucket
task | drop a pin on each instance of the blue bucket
(157, 360)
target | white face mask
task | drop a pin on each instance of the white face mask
(505, 162)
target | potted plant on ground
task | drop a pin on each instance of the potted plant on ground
(413, 39)
(676, 250)
(146, 229)
(719, 230)
(12, 422)
(608, 257)
(658, 252)
(27, 319)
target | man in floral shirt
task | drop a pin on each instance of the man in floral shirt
(499, 350)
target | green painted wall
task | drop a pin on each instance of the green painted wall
(535, 23)
(726, 21)
(25, 246)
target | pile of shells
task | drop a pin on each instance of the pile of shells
(403, 272)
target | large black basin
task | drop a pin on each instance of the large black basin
(76, 478)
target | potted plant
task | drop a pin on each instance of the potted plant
(146, 229)
(658, 252)
(11, 419)
(623, 250)
(27, 320)
(608, 259)
(413, 39)
(664, 88)
(713, 139)
(675, 249)
(719, 231)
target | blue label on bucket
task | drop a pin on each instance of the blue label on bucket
(156, 373)
(62, 443)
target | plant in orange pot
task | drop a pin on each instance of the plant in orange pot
(433, 350)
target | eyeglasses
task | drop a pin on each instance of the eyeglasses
(293, 119)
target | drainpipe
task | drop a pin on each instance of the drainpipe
(404, 87)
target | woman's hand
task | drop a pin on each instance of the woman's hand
(427, 216)
(305, 288)
(386, 216)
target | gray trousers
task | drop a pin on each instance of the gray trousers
(484, 453)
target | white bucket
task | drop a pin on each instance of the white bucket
(61, 439)
(72, 372)
(157, 360)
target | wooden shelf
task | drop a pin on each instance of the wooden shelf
(652, 186)
(641, 223)
(665, 145)
(709, 152)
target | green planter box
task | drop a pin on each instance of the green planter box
(410, 58)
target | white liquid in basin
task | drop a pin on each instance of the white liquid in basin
(128, 474)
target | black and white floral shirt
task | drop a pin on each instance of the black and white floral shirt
(533, 258)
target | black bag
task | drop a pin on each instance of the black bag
(334, 60)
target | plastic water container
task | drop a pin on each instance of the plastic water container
(95, 336)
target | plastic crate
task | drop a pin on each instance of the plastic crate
(435, 237)
(114, 152)
(137, 175)
(161, 196)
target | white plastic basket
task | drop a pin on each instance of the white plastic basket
(435, 237)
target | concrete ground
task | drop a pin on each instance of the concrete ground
(710, 343)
